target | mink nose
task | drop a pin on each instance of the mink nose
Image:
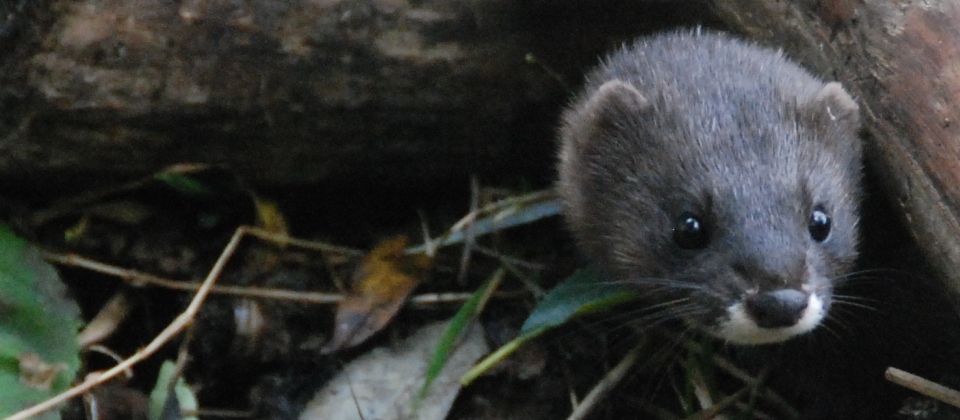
(777, 309)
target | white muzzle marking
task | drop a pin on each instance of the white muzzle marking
(739, 328)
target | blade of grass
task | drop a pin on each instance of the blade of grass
(581, 293)
(460, 322)
(498, 216)
(500, 354)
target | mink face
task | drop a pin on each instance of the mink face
(720, 178)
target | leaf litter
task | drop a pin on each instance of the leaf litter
(385, 383)
(39, 355)
(379, 288)
(383, 282)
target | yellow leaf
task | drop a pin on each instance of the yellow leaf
(380, 286)
(269, 216)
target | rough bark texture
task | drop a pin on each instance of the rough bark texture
(401, 91)
(902, 60)
(294, 92)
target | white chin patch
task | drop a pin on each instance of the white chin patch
(738, 328)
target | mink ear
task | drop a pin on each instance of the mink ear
(614, 100)
(832, 105)
(605, 110)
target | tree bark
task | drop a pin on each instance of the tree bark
(297, 92)
(400, 92)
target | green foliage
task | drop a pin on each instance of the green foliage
(580, 294)
(183, 183)
(37, 322)
(458, 326)
(167, 402)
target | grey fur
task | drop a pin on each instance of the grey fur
(701, 122)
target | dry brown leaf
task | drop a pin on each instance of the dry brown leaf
(383, 383)
(113, 402)
(37, 373)
(107, 320)
(380, 286)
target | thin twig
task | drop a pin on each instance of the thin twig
(513, 266)
(608, 382)
(222, 413)
(923, 386)
(434, 298)
(139, 279)
(725, 365)
(469, 238)
(302, 243)
(106, 321)
(701, 390)
(714, 410)
(70, 205)
(755, 413)
(97, 348)
(508, 259)
(770, 395)
(497, 216)
(183, 356)
(175, 327)
(429, 247)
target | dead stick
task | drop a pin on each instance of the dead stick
(175, 327)
(302, 243)
(139, 278)
(608, 382)
(923, 386)
(713, 411)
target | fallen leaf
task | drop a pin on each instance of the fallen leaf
(114, 402)
(127, 212)
(269, 217)
(384, 383)
(77, 230)
(106, 321)
(380, 285)
(39, 355)
(37, 373)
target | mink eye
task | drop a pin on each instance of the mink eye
(689, 232)
(819, 225)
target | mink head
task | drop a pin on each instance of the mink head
(718, 177)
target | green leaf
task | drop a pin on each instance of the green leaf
(498, 216)
(458, 325)
(38, 328)
(165, 404)
(581, 293)
(500, 354)
(183, 183)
